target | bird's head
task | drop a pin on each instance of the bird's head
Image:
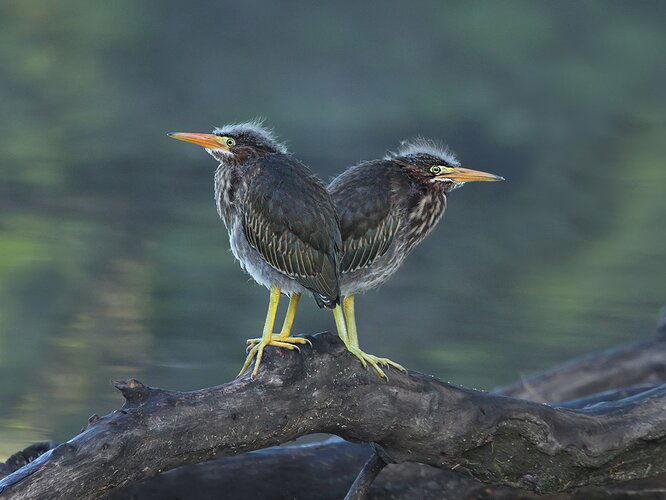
(235, 143)
(428, 163)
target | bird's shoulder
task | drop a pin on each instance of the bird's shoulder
(364, 198)
(289, 218)
(293, 199)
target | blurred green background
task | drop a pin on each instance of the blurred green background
(113, 262)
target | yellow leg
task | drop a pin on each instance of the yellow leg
(291, 315)
(340, 323)
(267, 337)
(353, 345)
(285, 333)
(350, 315)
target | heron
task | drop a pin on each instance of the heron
(282, 225)
(386, 208)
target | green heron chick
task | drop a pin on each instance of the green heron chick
(282, 225)
(386, 207)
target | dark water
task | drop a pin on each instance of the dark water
(113, 263)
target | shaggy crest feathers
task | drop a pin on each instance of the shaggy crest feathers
(254, 128)
(422, 146)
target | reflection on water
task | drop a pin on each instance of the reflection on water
(113, 263)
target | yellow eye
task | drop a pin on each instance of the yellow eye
(230, 142)
(436, 169)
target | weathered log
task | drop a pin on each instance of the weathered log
(361, 485)
(606, 396)
(296, 472)
(414, 417)
(324, 472)
(24, 457)
(218, 475)
(321, 471)
(642, 362)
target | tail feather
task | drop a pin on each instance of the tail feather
(326, 302)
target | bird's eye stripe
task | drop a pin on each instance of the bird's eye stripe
(227, 141)
(438, 169)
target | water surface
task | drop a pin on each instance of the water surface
(113, 263)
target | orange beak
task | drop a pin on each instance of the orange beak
(459, 174)
(208, 141)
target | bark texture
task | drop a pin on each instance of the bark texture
(413, 418)
(324, 472)
(637, 363)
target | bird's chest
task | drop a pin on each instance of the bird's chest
(422, 216)
(228, 184)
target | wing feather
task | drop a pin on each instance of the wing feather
(368, 222)
(289, 218)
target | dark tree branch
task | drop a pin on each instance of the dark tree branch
(403, 481)
(340, 459)
(642, 362)
(413, 417)
(322, 471)
(605, 396)
(361, 485)
(325, 470)
(24, 457)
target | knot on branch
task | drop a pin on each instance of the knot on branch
(132, 390)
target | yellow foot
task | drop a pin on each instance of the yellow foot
(279, 338)
(257, 347)
(374, 361)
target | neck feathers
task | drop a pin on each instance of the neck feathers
(425, 211)
(227, 184)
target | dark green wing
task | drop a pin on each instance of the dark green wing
(362, 197)
(288, 217)
(362, 251)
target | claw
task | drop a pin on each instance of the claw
(368, 359)
(256, 348)
(260, 354)
(388, 362)
(248, 359)
(363, 361)
(284, 344)
(281, 338)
